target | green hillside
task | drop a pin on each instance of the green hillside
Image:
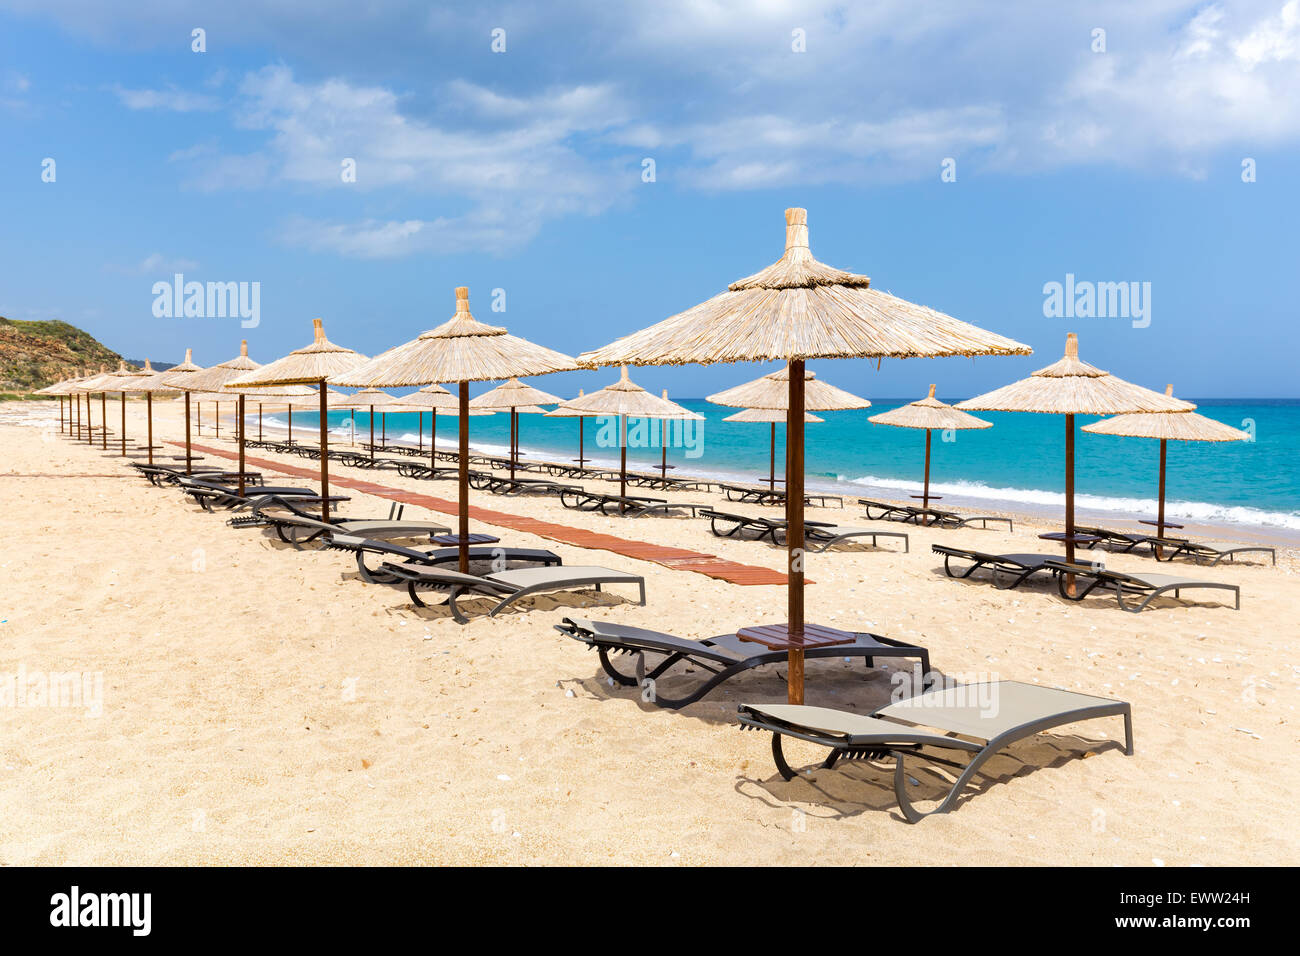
(36, 354)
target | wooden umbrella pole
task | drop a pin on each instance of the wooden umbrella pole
(216, 415)
(189, 458)
(372, 433)
(622, 453)
(103, 417)
(148, 404)
(324, 453)
(582, 459)
(771, 459)
(514, 426)
(925, 493)
(240, 428)
(259, 421)
(1069, 499)
(290, 438)
(198, 418)
(794, 537)
(1160, 513)
(433, 439)
(663, 449)
(419, 428)
(464, 477)
(383, 430)
(123, 394)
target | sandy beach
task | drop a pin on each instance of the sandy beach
(262, 704)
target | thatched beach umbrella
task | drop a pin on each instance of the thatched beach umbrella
(512, 395)
(213, 381)
(461, 350)
(173, 379)
(931, 414)
(67, 388)
(310, 365)
(771, 392)
(564, 412)
(798, 309)
(1073, 387)
(1167, 427)
(769, 416)
(123, 381)
(148, 383)
(625, 399)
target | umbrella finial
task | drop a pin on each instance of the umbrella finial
(147, 367)
(931, 395)
(581, 392)
(243, 348)
(462, 299)
(1072, 346)
(622, 373)
(665, 394)
(796, 228)
(318, 328)
(1169, 389)
(189, 356)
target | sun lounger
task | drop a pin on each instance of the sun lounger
(1112, 540)
(1020, 566)
(211, 494)
(625, 506)
(818, 535)
(932, 517)
(296, 526)
(723, 657)
(506, 586)
(756, 494)
(995, 714)
(1146, 586)
(361, 546)
(519, 486)
(1166, 549)
(725, 524)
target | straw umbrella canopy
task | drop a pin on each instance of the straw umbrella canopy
(513, 395)
(625, 399)
(1072, 387)
(1166, 426)
(564, 412)
(929, 413)
(172, 381)
(212, 381)
(310, 365)
(432, 397)
(798, 309)
(769, 416)
(125, 380)
(148, 382)
(461, 350)
(771, 392)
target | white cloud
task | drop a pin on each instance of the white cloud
(170, 99)
(155, 264)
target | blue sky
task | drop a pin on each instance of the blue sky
(522, 171)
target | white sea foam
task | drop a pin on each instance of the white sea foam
(1193, 511)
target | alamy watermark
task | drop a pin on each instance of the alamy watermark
(78, 690)
(653, 433)
(1084, 299)
(208, 300)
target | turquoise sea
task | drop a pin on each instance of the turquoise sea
(1015, 465)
